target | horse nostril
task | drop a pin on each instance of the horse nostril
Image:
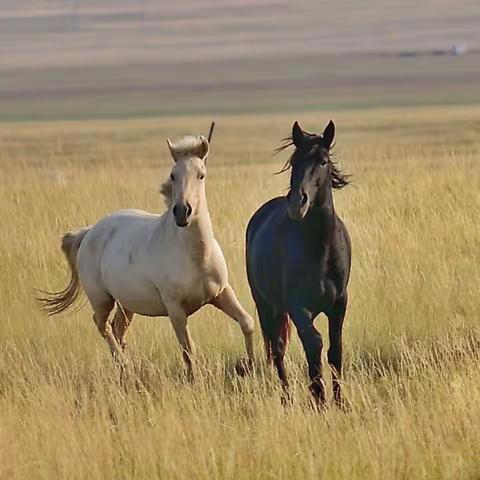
(304, 199)
(174, 210)
(189, 210)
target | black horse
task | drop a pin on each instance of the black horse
(298, 259)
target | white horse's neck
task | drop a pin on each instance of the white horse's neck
(198, 236)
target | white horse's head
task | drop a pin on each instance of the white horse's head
(187, 178)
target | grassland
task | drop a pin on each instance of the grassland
(412, 336)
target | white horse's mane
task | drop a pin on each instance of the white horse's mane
(190, 145)
(166, 192)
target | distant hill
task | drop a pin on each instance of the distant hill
(89, 32)
(109, 58)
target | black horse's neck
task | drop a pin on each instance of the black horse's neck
(320, 219)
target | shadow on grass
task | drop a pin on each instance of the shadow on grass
(407, 357)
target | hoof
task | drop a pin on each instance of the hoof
(286, 399)
(244, 367)
(343, 405)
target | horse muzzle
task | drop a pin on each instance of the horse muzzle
(182, 214)
(297, 205)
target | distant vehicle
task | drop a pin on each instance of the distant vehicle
(459, 49)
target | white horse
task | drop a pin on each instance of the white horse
(155, 265)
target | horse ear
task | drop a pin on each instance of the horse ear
(170, 147)
(204, 148)
(297, 134)
(329, 135)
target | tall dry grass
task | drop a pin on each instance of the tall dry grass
(412, 338)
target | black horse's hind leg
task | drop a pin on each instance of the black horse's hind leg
(279, 346)
(335, 327)
(266, 316)
(312, 345)
(275, 343)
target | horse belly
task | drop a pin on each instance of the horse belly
(131, 287)
(194, 293)
(143, 298)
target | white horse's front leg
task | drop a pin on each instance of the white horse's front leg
(178, 318)
(228, 303)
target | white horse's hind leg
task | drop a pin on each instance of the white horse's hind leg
(179, 323)
(122, 320)
(228, 303)
(100, 317)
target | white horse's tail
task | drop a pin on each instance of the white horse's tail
(57, 302)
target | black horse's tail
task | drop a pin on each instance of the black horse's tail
(284, 334)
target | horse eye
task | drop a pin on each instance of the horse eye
(172, 178)
(201, 176)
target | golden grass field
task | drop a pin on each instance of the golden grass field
(412, 335)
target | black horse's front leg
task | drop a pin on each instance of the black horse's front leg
(335, 327)
(312, 345)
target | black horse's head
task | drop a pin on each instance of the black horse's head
(313, 173)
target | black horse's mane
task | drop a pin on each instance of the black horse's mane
(338, 179)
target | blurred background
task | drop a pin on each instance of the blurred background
(69, 59)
